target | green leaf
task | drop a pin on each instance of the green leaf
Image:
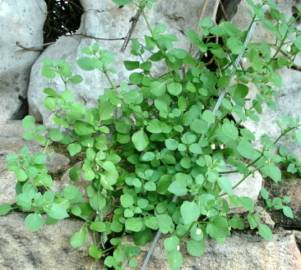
(87, 63)
(171, 243)
(265, 232)
(79, 238)
(237, 223)
(140, 140)
(95, 252)
(5, 209)
(218, 228)
(247, 203)
(134, 224)
(208, 116)
(131, 65)
(126, 200)
(111, 172)
(272, 171)
(83, 129)
(171, 144)
(58, 211)
(98, 226)
(195, 248)
(174, 88)
(122, 2)
(34, 222)
(225, 185)
(28, 122)
(76, 79)
(178, 187)
(165, 223)
(55, 135)
(175, 260)
(190, 212)
(246, 150)
(158, 88)
(74, 148)
(287, 211)
(235, 45)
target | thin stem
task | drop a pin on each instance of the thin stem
(109, 79)
(257, 159)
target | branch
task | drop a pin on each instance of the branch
(134, 20)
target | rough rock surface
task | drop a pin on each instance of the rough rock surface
(292, 188)
(11, 141)
(20, 22)
(105, 19)
(240, 252)
(46, 249)
(288, 98)
(250, 187)
(288, 102)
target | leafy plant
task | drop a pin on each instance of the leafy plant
(155, 152)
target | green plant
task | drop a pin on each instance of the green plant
(155, 152)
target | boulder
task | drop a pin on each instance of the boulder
(48, 248)
(239, 252)
(20, 22)
(103, 19)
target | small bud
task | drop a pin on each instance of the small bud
(213, 146)
(119, 105)
(178, 248)
(289, 48)
(222, 146)
(198, 231)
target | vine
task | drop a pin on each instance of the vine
(155, 152)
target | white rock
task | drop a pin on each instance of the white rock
(104, 19)
(239, 252)
(250, 187)
(20, 21)
(288, 102)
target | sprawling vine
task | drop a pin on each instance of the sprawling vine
(155, 152)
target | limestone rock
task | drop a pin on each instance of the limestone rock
(20, 22)
(239, 252)
(105, 19)
(288, 103)
(46, 249)
(250, 187)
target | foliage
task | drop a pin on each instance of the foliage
(154, 155)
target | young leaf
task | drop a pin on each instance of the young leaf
(140, 140)
(195, 248)
(265, 232)
(34, 222)
(190, 212)
(79, 238)
(287, 211)
(5, 209)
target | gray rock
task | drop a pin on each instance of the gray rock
(239, 252)
(46, 249)
(288, 101)
(105, 19)
(250, 187)
(20, 22)
(57, 163)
